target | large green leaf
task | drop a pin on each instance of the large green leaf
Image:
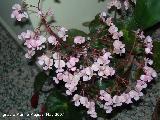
(147, 13)
(39, 81)
(75, 32)
(58, 103)
(156, 55)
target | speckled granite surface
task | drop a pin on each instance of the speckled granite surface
(16, 79)
(16, 86)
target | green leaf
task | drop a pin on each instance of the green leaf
(58, 103)
(129, 38)
(97, 44)
(86, 24)
(39, 81)
(156, 55)
(75, 32)
(147, 13)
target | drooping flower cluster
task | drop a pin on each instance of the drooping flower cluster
(119, 47)
(18, 13)
(135, 94)
(79, 67)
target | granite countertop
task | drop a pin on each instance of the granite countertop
(17, 78)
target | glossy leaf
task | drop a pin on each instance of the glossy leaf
(76, 32)
(39, 81)
(147, 13)
(58, 103)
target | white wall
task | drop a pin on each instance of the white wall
(70, 13)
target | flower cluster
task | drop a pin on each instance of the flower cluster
(18, 13)
(90, 105)
(135, 94)
(32, 41)
(119, 47)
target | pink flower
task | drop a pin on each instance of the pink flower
(46, 62)
(107, 97)
(150, 71)
(95, 66)
(109, 71)
(103, 15)
(117, 101)
(29, 54)
(76, 99)
(107, 55)
(146, 78)
(32, 41)
(62, 33)
(59, 63)
(18, 13)
(148, 39)
(109, 21)
(115, 3)
(56, 56)
(52, 40)
(86, 78)
(148, 50)
(119, 48)
(79, 39)
(84, 101)
(126, 4)
(140, 85)
(127, 98)
(108, 109)
(148, 61)
(113, 29)
(117, 35)
(136, 95)
(88, 71)
(71, 63)
(26, 35)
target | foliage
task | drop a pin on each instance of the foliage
(58, 103)
(147, 13)
(39, 81)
